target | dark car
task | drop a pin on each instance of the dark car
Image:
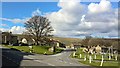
(15, 44)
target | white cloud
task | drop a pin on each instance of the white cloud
(103, 6)
(76, 19)
(14, 29)
(73, 20)
(17, 29)
(36, 12)
(15, 20)
(67, 17)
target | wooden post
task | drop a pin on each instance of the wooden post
(109, 56)
(90, 59)
(30, 48)
(116, 57)
(95, 56)
(85, 58)
(80, 55)
(102, 61)
(73, 54)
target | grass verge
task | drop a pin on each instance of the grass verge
(36, 49)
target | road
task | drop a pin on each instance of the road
(16, 58)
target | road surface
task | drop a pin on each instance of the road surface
(17, 58)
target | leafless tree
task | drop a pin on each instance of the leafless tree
(86, 40)
(39, 27)
(95, 42)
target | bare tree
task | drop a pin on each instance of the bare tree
(95, 42)
(39, 27)
(86, 40)
(115, 44)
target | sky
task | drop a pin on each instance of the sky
(69, 19)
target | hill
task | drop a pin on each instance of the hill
(67, 41)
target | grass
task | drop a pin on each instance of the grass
(95, 62)
(105, 64)
(36, 49)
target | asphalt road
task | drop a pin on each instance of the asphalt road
(16, 58)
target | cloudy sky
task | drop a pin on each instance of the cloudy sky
(69, 19)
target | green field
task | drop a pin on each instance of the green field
(95, 62)
(36, 49)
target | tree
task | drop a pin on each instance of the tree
(86, 40)
(115, 44)
(95, 42)
(107, 43)
(39, 27)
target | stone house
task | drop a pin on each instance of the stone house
(28, 39)
(57, 43)
(75, 45)
(9, 38)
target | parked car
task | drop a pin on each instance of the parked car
(15, 44)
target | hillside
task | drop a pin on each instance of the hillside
(67, 41)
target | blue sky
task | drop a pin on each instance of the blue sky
(12, 11)
(22, 10)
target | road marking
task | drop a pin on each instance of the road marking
(71, 63)
(57, 54)
(40, 61)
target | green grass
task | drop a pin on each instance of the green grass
(95, 62)
(36, 49)
(41, 49)
(105, 64)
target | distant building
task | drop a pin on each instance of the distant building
(57, 43)
(75, 45)
(8, 38)
(29, 40)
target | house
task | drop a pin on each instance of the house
(57, 43)
(9, 38)
(75, 45)
(28, 39)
